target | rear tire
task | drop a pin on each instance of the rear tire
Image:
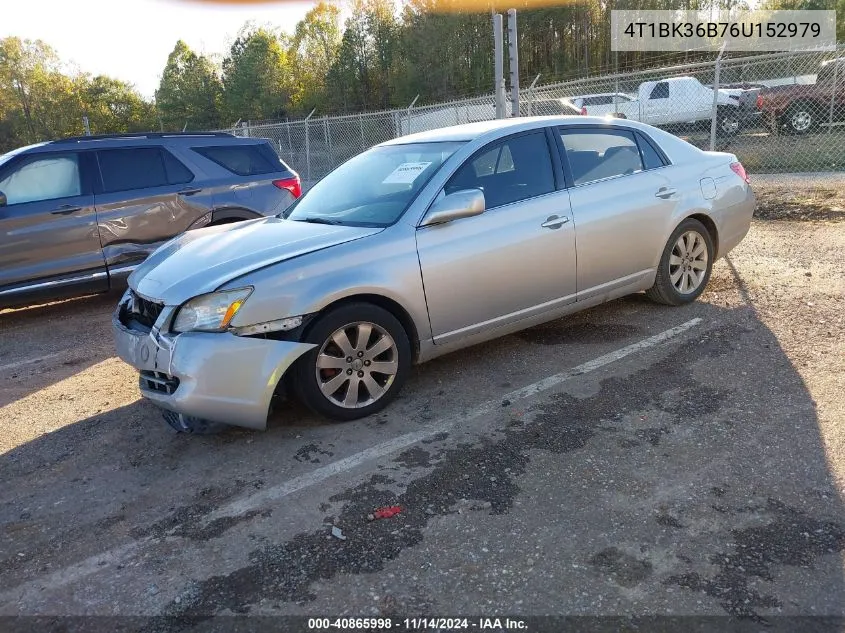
(728, 123)
(685, 265)
(802, 118)
(361, 360)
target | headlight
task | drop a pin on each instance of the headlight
(210, 313)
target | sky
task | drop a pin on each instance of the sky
(132, 43)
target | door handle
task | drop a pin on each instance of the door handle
(65, 209)
(554, 222)
(665, 192)
(189, 191)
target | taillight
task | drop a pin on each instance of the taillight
(291, 184)
(759, 102)
(583, 110)
(739, 170)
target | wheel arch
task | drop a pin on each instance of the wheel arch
(226, 215)
(711, 227)
(386, 303)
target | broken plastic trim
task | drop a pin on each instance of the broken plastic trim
(279, 325)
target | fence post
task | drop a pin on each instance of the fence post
(513, 61)
(833, 89)
(531, 95)
(615, 82)
(290, 143)
(499, 65)
(361, 122)
(328, 134)
(714, 116)
(308, 146)
(409, 113)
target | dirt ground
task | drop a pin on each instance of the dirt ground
(672, 461)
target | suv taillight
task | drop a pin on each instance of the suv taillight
(291, 184)
(759, 102)
(739, 170)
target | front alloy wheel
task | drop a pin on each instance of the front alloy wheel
(361, 358)
(357, 365)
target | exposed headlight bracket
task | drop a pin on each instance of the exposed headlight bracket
(278, 325)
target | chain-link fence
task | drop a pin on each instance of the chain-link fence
(778, 112)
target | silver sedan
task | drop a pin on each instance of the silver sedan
(418, 247)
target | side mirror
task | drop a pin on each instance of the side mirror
(459, 204)
(3, 200)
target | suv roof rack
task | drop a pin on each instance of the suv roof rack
(101, 137)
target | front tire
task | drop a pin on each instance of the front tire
(362, 359)
(685, 265)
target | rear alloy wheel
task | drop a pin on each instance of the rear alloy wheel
(685, 265)
(361, 360)
(800, 119)
(728, 123)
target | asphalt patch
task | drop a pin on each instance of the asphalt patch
(790, 537)
(623, 568)
(485, 472)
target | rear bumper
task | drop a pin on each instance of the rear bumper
(736, 222)
(217, 377)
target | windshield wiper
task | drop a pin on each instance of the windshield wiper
(317, 221)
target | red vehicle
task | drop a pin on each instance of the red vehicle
(801, 108)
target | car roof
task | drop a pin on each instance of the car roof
(501, 127)
(116, 141)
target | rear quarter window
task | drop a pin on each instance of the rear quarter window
(651, 158)
(243, 160)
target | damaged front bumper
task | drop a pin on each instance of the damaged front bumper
(219, 377)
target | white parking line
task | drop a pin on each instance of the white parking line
(29, 361)
(124, 552)
(274, 493)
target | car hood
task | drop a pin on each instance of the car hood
(202, 260)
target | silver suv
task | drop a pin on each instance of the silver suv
(78, 215)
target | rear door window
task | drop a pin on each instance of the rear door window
(243, 160)
(131, 168)
(598, 154)
(177, 173)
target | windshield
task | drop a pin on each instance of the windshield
(374, 188)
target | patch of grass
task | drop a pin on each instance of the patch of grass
(797, 204)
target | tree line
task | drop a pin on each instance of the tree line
(381, 57)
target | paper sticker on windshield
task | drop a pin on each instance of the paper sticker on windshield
(406, 173)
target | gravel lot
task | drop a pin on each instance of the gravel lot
(701, 474)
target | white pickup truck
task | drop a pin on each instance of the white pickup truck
(670, 102)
